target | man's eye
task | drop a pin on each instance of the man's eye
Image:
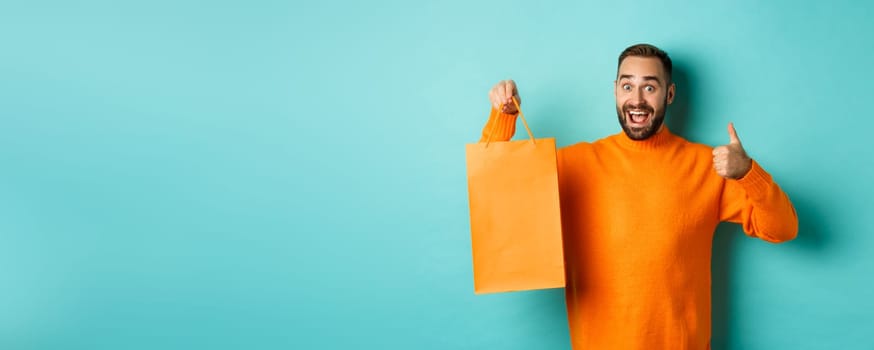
(626, 87)
(649, 88)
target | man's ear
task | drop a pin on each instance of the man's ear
(671, 91)
(615, 87)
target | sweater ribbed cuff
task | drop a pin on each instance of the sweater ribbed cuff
(501, 125)
(756, 182)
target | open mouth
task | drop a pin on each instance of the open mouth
(637, 117)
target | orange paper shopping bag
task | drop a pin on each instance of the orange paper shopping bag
(514, 215)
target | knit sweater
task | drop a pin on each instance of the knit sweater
(638, 219)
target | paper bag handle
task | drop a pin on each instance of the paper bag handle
(492, 129)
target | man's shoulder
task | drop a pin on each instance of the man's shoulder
(695, 147)
(584, 146)
(606, 144)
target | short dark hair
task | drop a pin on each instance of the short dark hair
(647, 50)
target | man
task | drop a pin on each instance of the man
(639, 209)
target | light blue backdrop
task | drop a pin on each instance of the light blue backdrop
(290, 175)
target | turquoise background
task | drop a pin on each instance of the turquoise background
(291, 175)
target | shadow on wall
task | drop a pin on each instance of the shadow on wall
(724, 240)
(546, 316)
(677, 119)
(813, 228)
(811, 235)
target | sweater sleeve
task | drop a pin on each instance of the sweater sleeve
(501, 125)
(760, 206)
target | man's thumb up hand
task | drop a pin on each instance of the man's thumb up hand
(731, 161)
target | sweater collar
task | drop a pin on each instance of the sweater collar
(662, 138)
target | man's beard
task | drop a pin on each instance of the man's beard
(642, 133)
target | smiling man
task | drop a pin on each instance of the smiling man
(639, 209)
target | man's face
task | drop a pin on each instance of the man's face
(642, 96)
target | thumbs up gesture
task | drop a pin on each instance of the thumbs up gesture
(731, 161)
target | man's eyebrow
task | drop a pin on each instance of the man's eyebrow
(645, 78)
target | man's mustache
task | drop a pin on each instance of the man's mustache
(642, 106)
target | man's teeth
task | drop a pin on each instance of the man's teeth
(638, 116)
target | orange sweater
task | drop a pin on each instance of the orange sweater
(638, 219)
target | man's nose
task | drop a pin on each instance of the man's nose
(637, 96)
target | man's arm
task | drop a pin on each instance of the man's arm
(760, 206)
(751, 197)
(501, 126)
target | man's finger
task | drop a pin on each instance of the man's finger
(732, 134)
(508, 90)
